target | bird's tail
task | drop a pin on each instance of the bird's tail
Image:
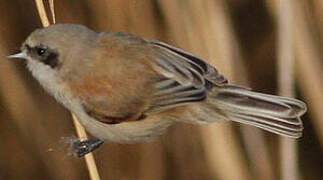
(276, 114)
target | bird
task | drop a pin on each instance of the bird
(128, 89)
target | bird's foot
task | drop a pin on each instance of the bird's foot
(87, 146)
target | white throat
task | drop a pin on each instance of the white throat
(44, 74)
(51, 82)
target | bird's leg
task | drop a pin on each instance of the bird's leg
(87, 146)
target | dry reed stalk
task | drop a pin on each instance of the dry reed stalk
(134, 17)
(178, 33)
(174, 17)
(229, 55)
(188, 26)
(19, 104)
(308, 65)
(258, 153)
(153, 157)
(253, 138)
(288, 147)
(318, 10)
(142, 22)
(222, 48)
(23, 112)
(142, 19)
(28, 119)
(309, 68)
(110, 15)
(89, 158)
(224, 154)
(42, 12)
(208, 36)
(52, 10)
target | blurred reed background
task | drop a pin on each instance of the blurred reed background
(240, 37)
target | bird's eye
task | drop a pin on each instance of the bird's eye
(41, 50)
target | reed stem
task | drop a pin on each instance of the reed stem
(89, 158)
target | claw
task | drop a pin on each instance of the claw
(87, 146)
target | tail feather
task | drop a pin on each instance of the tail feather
(276, 114)
(291, 132)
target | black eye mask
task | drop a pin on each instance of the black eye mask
(44, 55)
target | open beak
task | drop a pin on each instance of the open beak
(21, 55)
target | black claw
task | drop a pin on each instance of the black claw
(85, 147)
(82, 152)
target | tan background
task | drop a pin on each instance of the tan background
(239, 37)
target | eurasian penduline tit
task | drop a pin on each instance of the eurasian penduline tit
(127, 89)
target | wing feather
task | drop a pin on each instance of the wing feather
(209, 72)
(184, 77)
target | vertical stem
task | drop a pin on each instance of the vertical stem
(42, 12)
(309, 67)
(288, 148)
(52, 10)
(89, 158)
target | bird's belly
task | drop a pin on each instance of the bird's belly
(125, 132)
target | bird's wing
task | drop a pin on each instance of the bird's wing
(110, 101)
(182, 79)
(186, 78)
(206, 70)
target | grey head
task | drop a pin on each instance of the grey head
(49, 50)
(46, 45)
